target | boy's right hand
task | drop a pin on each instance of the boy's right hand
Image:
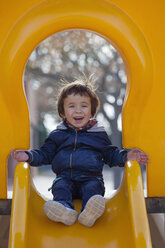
(19, 156)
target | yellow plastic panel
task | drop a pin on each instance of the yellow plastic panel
(36, 20)
(124, 223)
(137, 36)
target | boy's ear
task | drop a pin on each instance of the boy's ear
(62, 116)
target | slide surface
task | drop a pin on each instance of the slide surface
(123, 225)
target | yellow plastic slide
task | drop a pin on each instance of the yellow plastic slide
(123, 225)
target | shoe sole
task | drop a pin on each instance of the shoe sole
(59, 213)
(93, 210)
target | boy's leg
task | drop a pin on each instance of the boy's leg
(91, 187)
(93, 203)
(61, 208)
(62, 192)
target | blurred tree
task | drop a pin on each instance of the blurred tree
(67, 55)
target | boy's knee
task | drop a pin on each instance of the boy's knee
(95, 187)
(60, 185)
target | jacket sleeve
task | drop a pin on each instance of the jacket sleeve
(112, 155)
(45, 154)
(115, 157)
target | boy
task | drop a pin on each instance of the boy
(77, 150)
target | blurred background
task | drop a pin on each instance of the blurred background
(66, 56)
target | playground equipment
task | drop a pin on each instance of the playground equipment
(138, 37)
(124, 223)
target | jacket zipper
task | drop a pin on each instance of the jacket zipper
(74, 148)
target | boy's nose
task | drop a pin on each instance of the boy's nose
(78, 109)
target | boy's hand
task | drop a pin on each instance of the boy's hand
(139, 156)
(19, 156)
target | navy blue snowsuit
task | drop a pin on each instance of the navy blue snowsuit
(77, 158)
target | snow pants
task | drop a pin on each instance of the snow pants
(64, 190)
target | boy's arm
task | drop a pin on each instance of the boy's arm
(111, 154)
(37, 157)
(45, 154)
(115, 157)
(118, 157)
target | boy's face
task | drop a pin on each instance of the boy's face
(77, 109)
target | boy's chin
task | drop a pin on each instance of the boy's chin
(79, 125)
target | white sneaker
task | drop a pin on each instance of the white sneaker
(59, 213)
(93, 210)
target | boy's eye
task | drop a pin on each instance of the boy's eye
(84, 106)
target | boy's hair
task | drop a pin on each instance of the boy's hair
(78, 87)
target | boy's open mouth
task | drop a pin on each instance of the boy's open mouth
(78, 118)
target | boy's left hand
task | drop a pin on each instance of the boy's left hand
(139, 156)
